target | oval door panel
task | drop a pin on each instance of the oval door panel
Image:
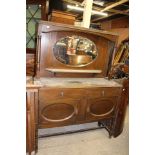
(101, 107)
(58, 112)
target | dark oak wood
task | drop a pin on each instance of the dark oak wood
(50, 33)
(64, 106)
(122, 108)
(61, 104)
(62, 17)
(31, 120)
(101, 108)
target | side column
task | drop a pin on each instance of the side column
(31, 121)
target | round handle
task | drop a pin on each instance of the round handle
(102, 93)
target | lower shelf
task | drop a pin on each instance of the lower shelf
(69, 129)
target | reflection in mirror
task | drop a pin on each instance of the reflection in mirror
(75, 51)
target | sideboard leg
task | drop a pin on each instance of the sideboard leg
(107, 124)
(99, 123)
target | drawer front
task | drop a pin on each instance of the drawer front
(48, 94)
(103, 92)
(58, 112)
(101, 108)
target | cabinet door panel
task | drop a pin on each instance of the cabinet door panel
(101, 108)
(58, 112)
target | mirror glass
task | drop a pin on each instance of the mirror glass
(75, 51)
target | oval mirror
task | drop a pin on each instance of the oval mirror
(75, 51)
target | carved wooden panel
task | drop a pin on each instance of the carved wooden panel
(101, 108)
(63, 106)
(48, 60)
(52, 112)
(58, 112)
(50, 33)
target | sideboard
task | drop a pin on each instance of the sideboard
(71, 84)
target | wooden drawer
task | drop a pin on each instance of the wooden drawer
(48, 94)
(103, 92)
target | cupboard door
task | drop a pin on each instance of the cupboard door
(100, 108)
(58, 112)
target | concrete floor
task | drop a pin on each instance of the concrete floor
(94, 142)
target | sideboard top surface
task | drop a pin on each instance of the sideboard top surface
(76, 82)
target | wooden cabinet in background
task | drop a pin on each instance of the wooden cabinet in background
(62, 17)
(117, 23)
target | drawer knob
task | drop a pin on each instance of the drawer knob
(123, 89)
(102, 93)
(62, 94)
